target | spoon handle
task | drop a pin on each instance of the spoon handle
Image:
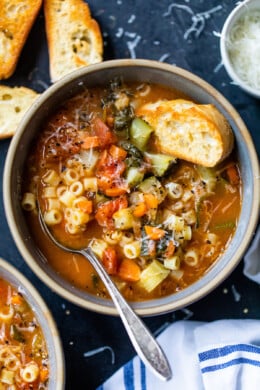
(143, 341)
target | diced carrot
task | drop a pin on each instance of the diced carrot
(151, 201)
(44, 374)
(153, 232)
(90, 142)
(117, 153)
(115, 191)
(16, 299)
(129, 270)
(86, 206)
(233, 175)
(140, 210)
(110, 261)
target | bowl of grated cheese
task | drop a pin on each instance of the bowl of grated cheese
(240, 46)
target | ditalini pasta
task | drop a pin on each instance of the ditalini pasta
(156, 223)
(24, 362)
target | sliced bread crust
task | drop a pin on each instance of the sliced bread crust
(74, 38)
(14, 102)
(16, 20)
(193, 132)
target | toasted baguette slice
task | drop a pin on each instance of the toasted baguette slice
(16, 20)
(14, 102)
(74, 38)
(192, 132)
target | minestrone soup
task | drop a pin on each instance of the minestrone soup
(157, 223)
(24, 362)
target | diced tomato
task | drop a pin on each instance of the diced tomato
(109, 173)
(106, 210)
(105, 135)
(170, 249)
(110, 261)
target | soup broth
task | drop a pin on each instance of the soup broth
(23, 353)
(156, 223)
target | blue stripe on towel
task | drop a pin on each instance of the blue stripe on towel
(129, 376)
(143, 375)
(231, 363)
(217, 352)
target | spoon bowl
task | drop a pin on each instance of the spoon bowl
(143, 341)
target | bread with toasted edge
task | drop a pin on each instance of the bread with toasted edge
(14, 102)
(198, 133)
(16, 20)
(74, 38)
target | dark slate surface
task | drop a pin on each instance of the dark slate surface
(183, 33)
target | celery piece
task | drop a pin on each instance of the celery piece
(208, 176)
(140, 133)
(134, 176)
(151, 185)
(153, 275)
(160, 162)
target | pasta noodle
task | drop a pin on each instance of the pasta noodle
(132, 250)
(52, 217)
(191, 258)
(29, 201)
(51, 178)
(70, 175)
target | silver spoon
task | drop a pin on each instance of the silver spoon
(143, 341)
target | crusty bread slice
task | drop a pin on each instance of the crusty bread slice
(14, 102)
(193, 132)
(74, 38)
(16, 20)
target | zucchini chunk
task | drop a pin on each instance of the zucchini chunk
(140, 133)
(160, 163)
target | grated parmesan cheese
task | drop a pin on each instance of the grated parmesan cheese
(244, 48)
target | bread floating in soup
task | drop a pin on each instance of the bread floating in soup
(144, 176)
(24, 360)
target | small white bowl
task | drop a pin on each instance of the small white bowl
(237, 13)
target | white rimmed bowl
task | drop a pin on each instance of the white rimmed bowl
(238, 12)
(140, 71)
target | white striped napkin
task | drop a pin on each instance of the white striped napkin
(221, 355)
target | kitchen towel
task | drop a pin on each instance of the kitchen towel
(219, 355)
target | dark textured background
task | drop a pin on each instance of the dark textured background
(155, 30)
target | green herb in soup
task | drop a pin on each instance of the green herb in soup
(156, 222)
